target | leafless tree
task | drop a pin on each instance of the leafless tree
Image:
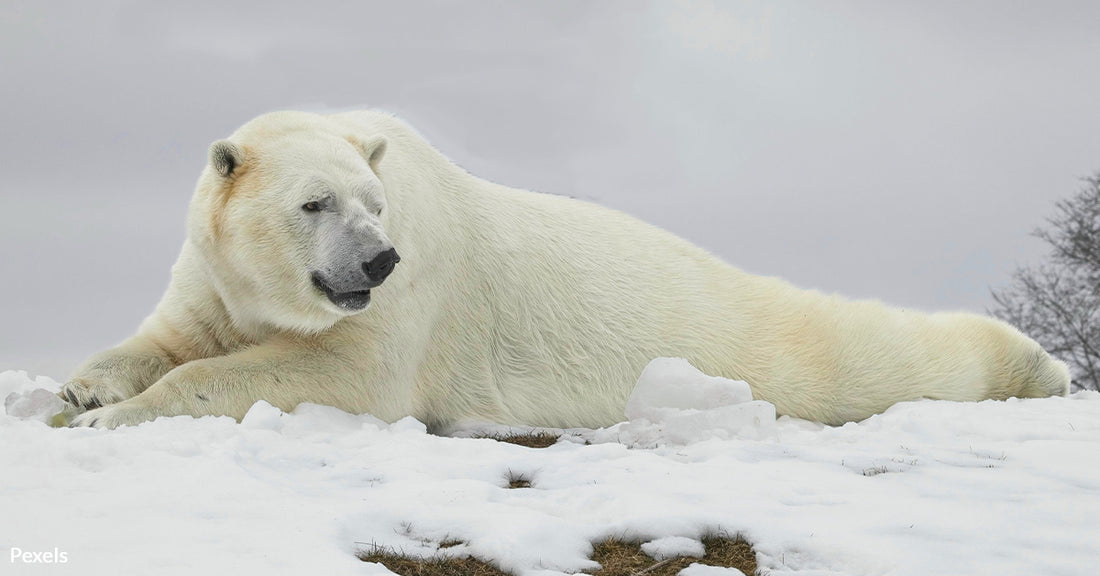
(1058, 302)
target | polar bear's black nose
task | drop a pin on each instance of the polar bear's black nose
(381, 266)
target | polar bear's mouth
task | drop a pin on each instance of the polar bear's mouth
(348, 300)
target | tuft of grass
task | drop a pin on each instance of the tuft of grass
(537, 440)
(623, 558)
(406, 566)
(617, 558)
(731, 553)
(518, 480)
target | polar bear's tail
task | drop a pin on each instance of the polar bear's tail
(1019, 366)
(1051, 376)
(1040, 376)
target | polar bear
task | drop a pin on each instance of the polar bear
(342, 260)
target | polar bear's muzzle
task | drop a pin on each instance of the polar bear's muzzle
(346, 299)
(351, 291)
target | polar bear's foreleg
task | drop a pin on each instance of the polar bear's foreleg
(283, 374)
(117, 374)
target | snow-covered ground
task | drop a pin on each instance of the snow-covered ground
(926, 488)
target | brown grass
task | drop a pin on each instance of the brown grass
(539, 440)
(617, 558)
(518, 480)
(406, 566)
(620, 558)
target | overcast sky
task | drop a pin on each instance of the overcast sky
(899, 151)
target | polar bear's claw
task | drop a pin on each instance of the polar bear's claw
(80, 394)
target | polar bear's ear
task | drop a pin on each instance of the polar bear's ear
(225, 157)
(373, 148)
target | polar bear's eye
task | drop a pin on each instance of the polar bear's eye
(311, 207)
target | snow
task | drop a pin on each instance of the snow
(30, 399)
(925, 488)
(704, 570)
(673, 546)
(674, 403)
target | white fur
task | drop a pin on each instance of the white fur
(508, 306)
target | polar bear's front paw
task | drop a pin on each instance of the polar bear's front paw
(115, 415)
(89, 394)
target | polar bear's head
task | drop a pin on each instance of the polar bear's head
(289, 219)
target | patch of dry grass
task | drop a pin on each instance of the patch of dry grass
(539, 440)
(406, 566)
(518, 481)
(621, 558)
(617, 558)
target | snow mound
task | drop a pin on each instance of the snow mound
(673, 403)
(28, 399)
(669, 385)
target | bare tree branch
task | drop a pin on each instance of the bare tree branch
(1058, 303)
